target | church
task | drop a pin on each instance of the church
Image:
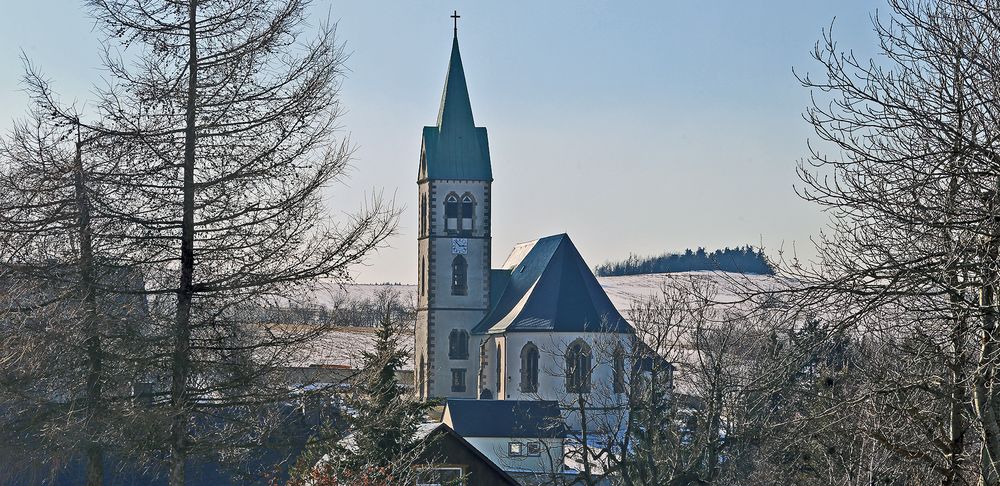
(538, 328)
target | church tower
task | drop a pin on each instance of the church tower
(453, 292)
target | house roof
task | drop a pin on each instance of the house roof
(455, 148)
(428, 432)
(504, 418)
(550, 288)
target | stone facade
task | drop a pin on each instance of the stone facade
(440, 308)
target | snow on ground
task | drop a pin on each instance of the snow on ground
(625, 291)
(343, 346)
(336, 295)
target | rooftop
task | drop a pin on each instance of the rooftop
(504, 418)
(550, 288)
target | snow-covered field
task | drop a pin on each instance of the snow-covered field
(623, 291)
(343, 347)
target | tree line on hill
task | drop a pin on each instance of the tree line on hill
(364, 311)
(742, 259)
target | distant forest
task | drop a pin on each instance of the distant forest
(744, 259)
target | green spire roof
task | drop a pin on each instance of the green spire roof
(456, 148)
(456, 109)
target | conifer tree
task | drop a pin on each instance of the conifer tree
(381, 440)
(222, 133)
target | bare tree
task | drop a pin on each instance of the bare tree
(694, 394)
(68, 309)
(908, 173)
(217, 137)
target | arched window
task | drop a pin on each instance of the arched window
(422, 284)
(618, 363)
(468, 204)
(578, 359)
(451, 213)
(459, 276)
(529, 368)
(423, 215)
(420, 378)
(458, 344)
(499, 369)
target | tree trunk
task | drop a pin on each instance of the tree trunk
(985, 394)
(91, 320)
(185, 291)
(956, 423)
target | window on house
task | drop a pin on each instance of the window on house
(458, 344)
(468, 204)
(619, 367)
(515, 449)
(578, 359)
(534, 448)
(458, 380)
(529, 368)
(459, 276)
(451, 213)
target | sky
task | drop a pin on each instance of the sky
(635, 127)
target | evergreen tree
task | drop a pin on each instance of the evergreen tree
(381, 441)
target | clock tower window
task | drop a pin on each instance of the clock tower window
(459, 276)
(468, 204)
(451, 213)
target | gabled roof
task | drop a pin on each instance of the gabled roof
(504, 418)
(430, 433)
(551, 288)
(455, 148)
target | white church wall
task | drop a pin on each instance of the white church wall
(552, 372)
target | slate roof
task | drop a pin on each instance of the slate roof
(504, 418)
(456, 148)
(430, 433)
(550, 288)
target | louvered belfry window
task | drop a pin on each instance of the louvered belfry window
(451, 213)
(468, 205)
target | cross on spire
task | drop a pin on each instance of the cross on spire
(455, 16)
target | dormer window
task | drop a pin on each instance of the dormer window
(451, 213)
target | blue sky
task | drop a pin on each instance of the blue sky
(643, 126)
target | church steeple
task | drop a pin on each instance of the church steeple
(455, 148)
(456, 109)
(453, 242)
